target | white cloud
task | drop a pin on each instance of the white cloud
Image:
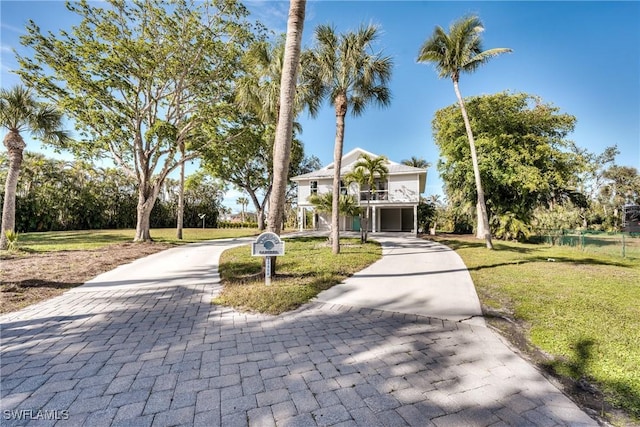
(11, 28)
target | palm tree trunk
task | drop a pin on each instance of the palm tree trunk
(284, 129)
(341, 112)
(366, 222)
(15, 147)
(483, 230)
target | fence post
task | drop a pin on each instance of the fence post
(623, 247)
(582, 241)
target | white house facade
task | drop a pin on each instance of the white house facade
(394, 204)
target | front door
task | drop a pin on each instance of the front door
(356, 223)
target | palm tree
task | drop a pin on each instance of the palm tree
(347, 204)
(366, 171)
(258, 91)
(416, 162)
(352, 75)
(243, 201)
(454, 53)
(286, 114)
(261, 92)
(20, 112)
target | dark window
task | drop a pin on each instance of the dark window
(343, 188)
(314, 187)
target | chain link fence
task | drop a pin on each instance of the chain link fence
(616, 244)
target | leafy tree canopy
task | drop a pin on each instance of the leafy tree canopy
(138, 78)
(525, 157)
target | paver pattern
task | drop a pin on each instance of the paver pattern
(165, 356)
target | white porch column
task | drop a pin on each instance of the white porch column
(373, 220)
(301, 218)
(415, 219)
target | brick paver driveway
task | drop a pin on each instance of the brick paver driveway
(165, 356)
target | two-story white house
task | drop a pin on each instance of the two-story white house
(394, 205)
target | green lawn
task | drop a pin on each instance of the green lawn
(307, 268)
(581, 308)
(93, 239)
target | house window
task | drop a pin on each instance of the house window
(381, 190)
(343, 188)
(314, 187)
(381, 185)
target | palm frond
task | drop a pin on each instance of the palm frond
(460, 50)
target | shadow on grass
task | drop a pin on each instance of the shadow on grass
(237, 270)
(562, 260)
(466, 244)
(306, 239)
(573, 372)
(91, 237)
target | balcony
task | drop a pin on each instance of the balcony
(377, 195)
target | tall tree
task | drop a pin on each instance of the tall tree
(244, 161)
(352, 75)
(284, 129)
(454, 53)
(20, 112)
(527, 159)
(367, 172)
(258, 94)
(139, 78)
(258, 89)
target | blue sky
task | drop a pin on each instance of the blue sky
(583, 57)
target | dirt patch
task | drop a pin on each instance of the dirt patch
(28, 278)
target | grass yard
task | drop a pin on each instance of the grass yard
(94, 239)
(582, 309)
(308, 268)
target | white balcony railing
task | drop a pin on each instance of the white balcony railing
(374, 196)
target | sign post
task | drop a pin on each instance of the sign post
(267, 245)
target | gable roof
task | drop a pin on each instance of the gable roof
(348, 161)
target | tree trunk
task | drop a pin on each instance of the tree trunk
(284, 129)
(483, 230)
(260, 215)
(15, 147)
(365, 230)
(341, 112)
(260, 208)
(180, 203)
(146, 200)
